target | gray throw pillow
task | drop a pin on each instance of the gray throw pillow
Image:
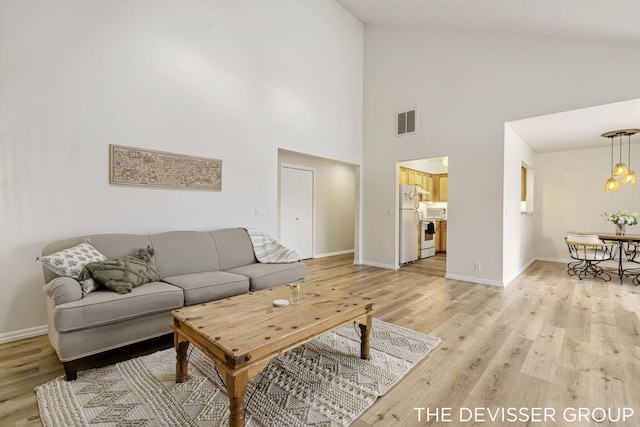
(124, 273)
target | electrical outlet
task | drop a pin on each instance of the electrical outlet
(257, 210)
(476, 266)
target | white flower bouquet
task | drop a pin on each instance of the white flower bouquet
(622, 217)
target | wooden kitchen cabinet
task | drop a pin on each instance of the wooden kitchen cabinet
(421, 179)
(418, 180)
(412, 177)
(403, 176)
(441, 187)
(441, 236)
(427, 185)
(437, 185)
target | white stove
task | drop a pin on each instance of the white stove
(427, 238)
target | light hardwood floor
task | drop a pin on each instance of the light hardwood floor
(546, 341)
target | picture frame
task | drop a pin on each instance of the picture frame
(144, 167)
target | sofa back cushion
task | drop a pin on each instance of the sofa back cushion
(110, 245)
(184, 252)
(234, 248)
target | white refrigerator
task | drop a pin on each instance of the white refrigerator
(409, 220)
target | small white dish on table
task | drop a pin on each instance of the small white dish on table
(281, 302)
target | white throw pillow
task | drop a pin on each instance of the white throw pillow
(70, 262)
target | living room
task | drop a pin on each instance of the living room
(238, 81)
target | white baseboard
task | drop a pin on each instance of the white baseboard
(22, 334)
(377, 264)
(474, 280)
(500, 284)
(563, 261)
(522, 270)
(348, 251)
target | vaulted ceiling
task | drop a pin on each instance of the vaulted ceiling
(615, 20)
(596, 19)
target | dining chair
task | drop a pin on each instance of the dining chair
(633, 256)
(588, 251)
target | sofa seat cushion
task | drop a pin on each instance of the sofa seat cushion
(263, 276)
(209, 286)
(103, 306)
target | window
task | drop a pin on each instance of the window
(526, 189)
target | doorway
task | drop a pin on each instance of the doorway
(296, 209)
(335, 202)
(430, 178)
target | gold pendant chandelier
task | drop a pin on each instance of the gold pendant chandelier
(620, 169)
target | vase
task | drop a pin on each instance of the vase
(621, 229)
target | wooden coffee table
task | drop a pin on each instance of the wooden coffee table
(243, 333)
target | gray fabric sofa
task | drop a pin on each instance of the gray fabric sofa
(194, 266)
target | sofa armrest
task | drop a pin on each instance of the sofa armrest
(63, 289)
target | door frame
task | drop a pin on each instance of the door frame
(313, 201)
(399, 164)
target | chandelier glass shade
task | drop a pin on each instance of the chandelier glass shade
(629, 178)
(620, 169)
(611, 185)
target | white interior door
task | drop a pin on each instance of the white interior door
(296, 210)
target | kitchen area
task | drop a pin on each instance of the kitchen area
(423, 212)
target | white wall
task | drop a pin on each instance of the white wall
(519, 230)
(434, 166)
(466, 85)
(569, 195)
(335, 202)
(229, 80)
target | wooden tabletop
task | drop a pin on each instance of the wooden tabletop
(246, 328)
(610, 236)
(624, 238)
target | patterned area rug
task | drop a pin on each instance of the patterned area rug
(321, 383)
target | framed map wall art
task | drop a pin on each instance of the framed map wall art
(138, 166)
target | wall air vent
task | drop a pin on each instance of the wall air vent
(406, 122)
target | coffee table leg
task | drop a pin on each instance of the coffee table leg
(181, 358)
(364, 333)
(236, 387)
